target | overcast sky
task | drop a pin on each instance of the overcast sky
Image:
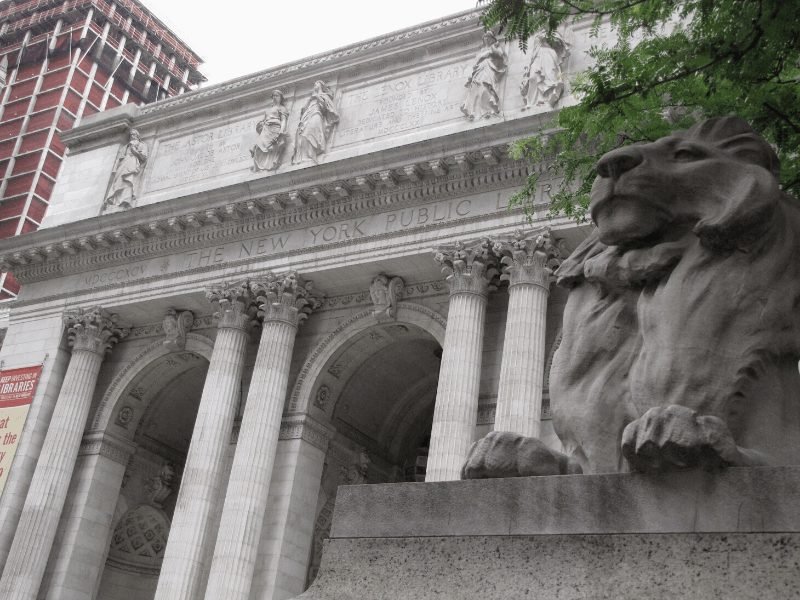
(237, 37)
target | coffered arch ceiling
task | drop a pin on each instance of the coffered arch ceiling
(387, 379)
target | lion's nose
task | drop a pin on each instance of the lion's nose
(615, 163)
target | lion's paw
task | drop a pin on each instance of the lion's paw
(676, 437)
(506, 454)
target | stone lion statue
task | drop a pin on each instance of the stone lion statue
(681, 333)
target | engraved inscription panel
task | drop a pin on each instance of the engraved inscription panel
(201, 155)
(401, 104)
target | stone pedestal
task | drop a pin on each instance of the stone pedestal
(696, 535)
(469, 271)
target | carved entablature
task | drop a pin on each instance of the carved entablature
(284, 297)
(470, 267)
(94, 329)
(528, 258)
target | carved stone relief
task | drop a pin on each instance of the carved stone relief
(176, 326)
(543, 79)
(385, 293)
(268, 150)
(317, 120)
(482, 99)
(322, 397)
(121, 193)
(125, 416)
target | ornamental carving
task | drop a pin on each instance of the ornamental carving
(322, 397)
(94, 329)
(284, 297)
(176, 326)
(235, 304)
(125, 177)
(385, 294)
(482, 99)
(317, 120)
(125, 416)
(470, 268)
(160, 487)
(268, 150)
(543, 79)
(528, 258)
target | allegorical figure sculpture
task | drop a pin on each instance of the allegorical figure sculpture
(317, 120)
(130, 164)
(543, 79)
(268, 149)
(681, 333)
(385, 294)
(482, 99)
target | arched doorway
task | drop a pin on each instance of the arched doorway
(378, 391)
(156, 410)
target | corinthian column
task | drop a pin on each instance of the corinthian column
(469, 271)
(186, 557)
(284, 302)
(528, 266)
(91, 334)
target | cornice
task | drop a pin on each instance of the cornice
(107, 242)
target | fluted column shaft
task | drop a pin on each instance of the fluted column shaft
(528, 267)
(91, 334)
(470, 271)
(185, 565)
(284, 301)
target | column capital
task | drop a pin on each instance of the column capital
(284, 297)
(93, 329)
(236, 304)
(469, 267)
(528, 258)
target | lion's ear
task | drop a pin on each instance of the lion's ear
(741, 208)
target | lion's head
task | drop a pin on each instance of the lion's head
(717, 178)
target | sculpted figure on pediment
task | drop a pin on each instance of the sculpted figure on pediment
(317, 120)
(127, 170)
(543, 79)
(482, 99)
(681, 333)
(268, 150)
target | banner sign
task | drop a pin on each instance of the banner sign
(17, 387)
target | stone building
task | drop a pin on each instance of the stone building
(62, 61)
(313, 280)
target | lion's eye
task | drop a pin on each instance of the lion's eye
(687, 154)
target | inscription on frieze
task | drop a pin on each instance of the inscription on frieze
(401, 104)
(343, 231)
(201, 155)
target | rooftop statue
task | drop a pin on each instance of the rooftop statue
(681, 333)
(267, 152)
(482, 98)
(129, 166)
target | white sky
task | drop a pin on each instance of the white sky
(237, 37)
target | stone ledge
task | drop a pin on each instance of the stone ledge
(709, 566)
(764, 499)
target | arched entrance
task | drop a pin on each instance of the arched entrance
(155, 408)
(378, 391)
